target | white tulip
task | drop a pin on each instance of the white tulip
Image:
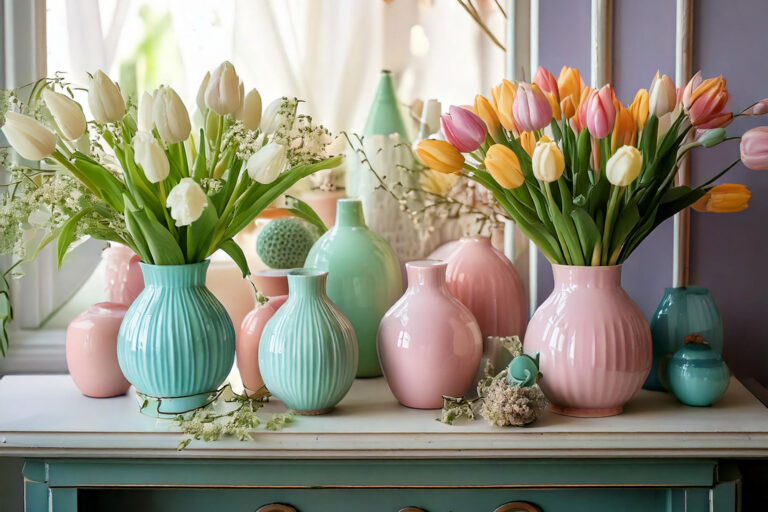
(223, 92)
(662, 95)
(170, 116)
(250, 110)
(66, 112)
(146, 105)
(624, 166)
(272, 118)
(150, 156)
(267, 163)
(104, 98)
(547, 161)
(186, 201)
(200, 98)
(28, 137)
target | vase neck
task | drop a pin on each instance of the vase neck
(349, 213)
(306, 282)
(426, 274)
(175, 276)
(569, 276)
(482, 241)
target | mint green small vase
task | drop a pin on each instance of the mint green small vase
(385, 116)
(364, 277)
(308, 350)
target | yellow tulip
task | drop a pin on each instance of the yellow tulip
(504, 166)
(503, 98)
(547, 160)
(440, 155)
(639, 108)
(624, 129)
(528, 141)
(554, 104)
(486, 112)
(624, 166)
(725, 198)
(437, 183)
(570, 85)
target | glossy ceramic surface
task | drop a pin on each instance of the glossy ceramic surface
(385, 116)
(364, 277)
(122, 274)
(697, 375)
(594, 342)
(91, 351)
(248, 338)
(682, 311)
(429, 342)
(308, 350)
(177, 342)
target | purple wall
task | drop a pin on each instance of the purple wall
(728, 251)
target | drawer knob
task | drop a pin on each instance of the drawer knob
(277, 507)
(518, 506)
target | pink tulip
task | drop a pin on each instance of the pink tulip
(705, 100)
(547, 82)
(463, 129)
(531, 108)
(758, 109)
(754, 148)
(601, 114)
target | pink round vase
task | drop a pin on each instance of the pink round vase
(594, 341)
(274, 284)
(429, 343)
(91, 351)
(122, 273)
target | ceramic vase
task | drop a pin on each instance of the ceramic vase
(122, 274)
(273, 284)
(429, 342)
(594, 342)
(364, 277)
(177, 343)
(308, 350)
(91, 351)
(682, 311)
(697, 375)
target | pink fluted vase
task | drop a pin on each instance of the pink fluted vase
(272, 284)
(594, 341)
(122, 274)
(91, 351)
(429, 343)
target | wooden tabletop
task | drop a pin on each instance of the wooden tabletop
(46, 416)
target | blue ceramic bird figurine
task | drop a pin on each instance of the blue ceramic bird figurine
(523, 371)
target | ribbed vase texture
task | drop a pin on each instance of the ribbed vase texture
(177, 339)
(594, 341)
(308, 350)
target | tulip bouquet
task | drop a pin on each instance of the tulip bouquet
(586, 178)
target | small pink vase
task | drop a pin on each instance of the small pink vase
(429, 343)
(91, 351)
(485, 281)
(594, 342)
(274, 284)
(122, 274)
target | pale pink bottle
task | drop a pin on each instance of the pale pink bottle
(122, 273)
(594, 342)
(429, 343)
(91, 351)
(272, 284)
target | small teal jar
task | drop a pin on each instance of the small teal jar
(697, 374)
(308, 350)
(682, 311)
(364, 277)
(176, 344)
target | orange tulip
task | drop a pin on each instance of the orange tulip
(725, 198)
(705, 101)
(554, 104)
(624, 129)
(487, 113)
(440, 155)
(504, 166)
(528, 141)
(503, 99)
(639, 108)
(569, 86)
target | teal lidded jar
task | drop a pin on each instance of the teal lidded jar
(364, 277)
(697, 374)
(176, 344)
(308, 349)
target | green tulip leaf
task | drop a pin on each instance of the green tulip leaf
(303, 211)
(199, 233)
(67, 234)
(236, 253)
(589, 234)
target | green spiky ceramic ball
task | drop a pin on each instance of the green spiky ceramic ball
(285, 243)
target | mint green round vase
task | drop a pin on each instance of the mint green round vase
(308, 350)
(364, 277)
(176, 344)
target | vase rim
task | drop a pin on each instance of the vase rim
(476, 238)
(307, 272)
(426, 263)
(694, 289)
(185, 265)
(580, 267)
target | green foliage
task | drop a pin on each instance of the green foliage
(284, 243)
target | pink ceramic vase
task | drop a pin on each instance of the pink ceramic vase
(273, 284)
(594, 341)
(485, 281)
(91, 351)
(122, 273)
(429, 343)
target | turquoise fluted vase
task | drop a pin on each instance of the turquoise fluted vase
(682, 311)
(176, 344)
(364, 277)
(308, 349)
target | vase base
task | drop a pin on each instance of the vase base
(578, 412)
(315, 412)
(168, 407)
